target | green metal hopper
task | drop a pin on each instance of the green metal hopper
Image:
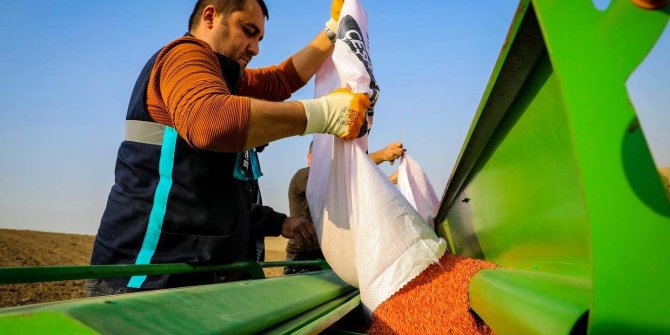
(302, 304)
(555, 183)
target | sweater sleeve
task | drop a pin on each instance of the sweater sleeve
(265, 221)
(187, 92)
(274, 83)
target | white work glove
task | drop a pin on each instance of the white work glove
(340, 113)
(332, 24)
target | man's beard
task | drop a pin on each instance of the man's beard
(226, 36)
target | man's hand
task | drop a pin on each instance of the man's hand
(394, 178)
(301, 230)
(392, 152)
(340, 113)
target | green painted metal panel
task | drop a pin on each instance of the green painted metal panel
(43, 323)
(35, 274)
(241, 308)
(629, 215)
(535, 302)
(523, 219)
(318, 319)
(556, 182)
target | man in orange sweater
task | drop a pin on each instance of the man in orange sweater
(185, 171)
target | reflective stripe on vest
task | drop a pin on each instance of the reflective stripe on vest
(145, 132)
(159, 207)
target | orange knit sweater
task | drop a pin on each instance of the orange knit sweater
(187, 91)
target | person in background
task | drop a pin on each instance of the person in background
(298, 207)
(257, 200)
(185, 170)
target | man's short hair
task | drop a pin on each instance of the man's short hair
(223, 6)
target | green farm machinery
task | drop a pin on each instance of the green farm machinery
(555, 183)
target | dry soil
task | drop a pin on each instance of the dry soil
(34, 248)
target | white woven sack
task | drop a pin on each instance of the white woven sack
(414, 185)
(369, 233)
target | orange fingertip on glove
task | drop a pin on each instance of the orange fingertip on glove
(356, 113)
(335, 9)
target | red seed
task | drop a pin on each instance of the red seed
(435, 302)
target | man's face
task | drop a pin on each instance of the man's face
(238, 35)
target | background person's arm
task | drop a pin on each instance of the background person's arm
(392, 152)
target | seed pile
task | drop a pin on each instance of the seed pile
(435, 302)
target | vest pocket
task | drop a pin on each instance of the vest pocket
(200, 249)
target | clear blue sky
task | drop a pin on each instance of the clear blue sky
(68, 68)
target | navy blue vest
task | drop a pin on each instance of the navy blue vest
(172, 203)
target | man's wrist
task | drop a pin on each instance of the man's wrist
(331, 30)
(314, 113)
(331, 35)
